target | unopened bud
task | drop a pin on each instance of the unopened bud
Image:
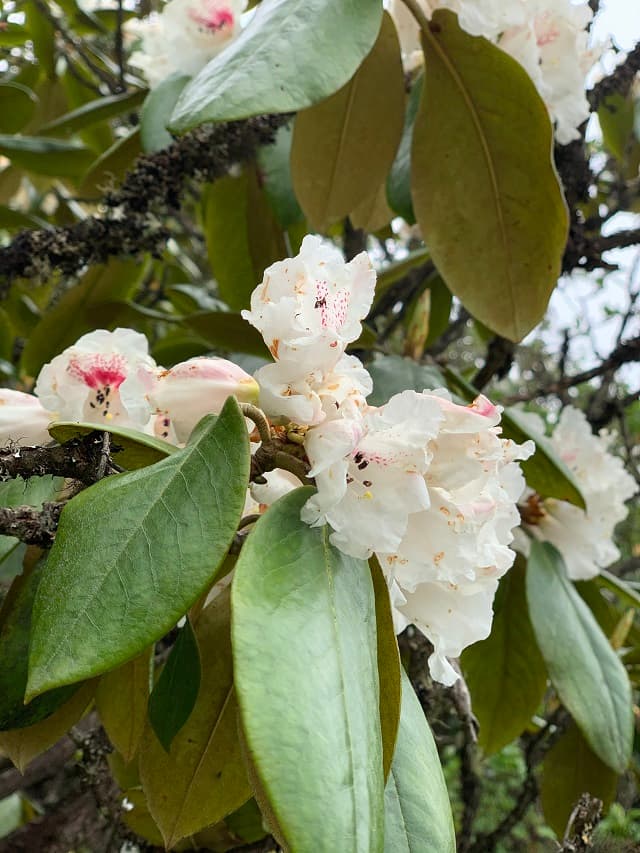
(194, 388)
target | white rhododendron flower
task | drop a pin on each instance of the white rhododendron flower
(585, 539)
(23, 419)
(184, 36)
(552, 47)
(457, 547)
(102, 378)
(192, 389)
(452, 616)
(548, 38)
(370, 472)
(308, 308)
(314, 396)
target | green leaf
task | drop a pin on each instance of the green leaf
(275, 175)
(627, 594)
(225, 230)
(399, 180)
(112, 165)
(176, 691)
(274, 67)
(485, 191)
(227, 331)
(15, 219)
(587, 674)
(318, 758)
(17, 105)
(121, 701)
(545, 471)
(616, 116)
(157, 110)
(388, 666)
(68, 319)
(46, 156)
(135, 551)
(392, 374)
(15, 624)
(93, 112)
(505, 673)
(417, 811)
(341, 150)
(571, 769)
(13, 35)
(202, 779)
(137, 450)
(22, 745)
(397, 270)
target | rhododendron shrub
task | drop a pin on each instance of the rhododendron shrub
(318, 426)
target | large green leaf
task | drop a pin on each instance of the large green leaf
(588, 675)
(417, 811)
(505, 673)
(571, 769)
(135, 551)
(545, 471)
(157, 110)
(309, 708)
(274, 67)
(485, 191)
(341, 150)
(46, 156)
(15, 623)
(68, 319)
(135, 448)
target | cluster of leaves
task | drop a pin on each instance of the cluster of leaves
(332, 751)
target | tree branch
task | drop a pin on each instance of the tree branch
(85, 459)
(30, 525)
(150, 192)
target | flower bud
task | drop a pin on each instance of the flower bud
(194, 388)
(23, 419)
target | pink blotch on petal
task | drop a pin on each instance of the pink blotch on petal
(99, 371)
(213, 18)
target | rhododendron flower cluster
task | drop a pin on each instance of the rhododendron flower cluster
(183, 37)
(548, 38)
(427, 485)
(583, 537)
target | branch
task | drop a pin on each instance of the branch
(624, 353)
(497, 363)
(32, 526)
(619, 81)
(535, 752)
(85, 459)
(150, 192)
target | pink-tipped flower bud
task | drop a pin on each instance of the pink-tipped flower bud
(194, 388)
(23, 419)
